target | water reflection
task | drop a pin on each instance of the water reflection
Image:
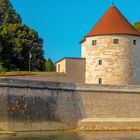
(76, 136)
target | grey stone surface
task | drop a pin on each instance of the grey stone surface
(34, 105)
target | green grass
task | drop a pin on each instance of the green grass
(25, 73)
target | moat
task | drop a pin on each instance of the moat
(75, 136)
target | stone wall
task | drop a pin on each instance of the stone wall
(120, 61)
(28, 105)
(110, 104)
(136, 62)
(34, 105)
(73, 68)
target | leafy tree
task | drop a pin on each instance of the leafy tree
(137, 26)
(7, 13)
(17, 42)
(49, 65)
(1, 67)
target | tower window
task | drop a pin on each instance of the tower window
(115, 41)
(100, 81)
(100, 62)
(94, 42)
(134, 42)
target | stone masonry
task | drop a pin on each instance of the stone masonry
(29, 105)
(120, 62)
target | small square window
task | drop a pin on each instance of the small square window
(100, 62)
(115, 41)
(94, 42)
(100, 81)
(134, 42)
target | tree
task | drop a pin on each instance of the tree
(7, 13)
(17, 42)
(137, 26)
(49, 65)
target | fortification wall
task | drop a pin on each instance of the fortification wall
(38, 105)
(35, 105)
(110, 104)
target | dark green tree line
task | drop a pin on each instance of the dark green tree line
(18, 41)
(7, 13)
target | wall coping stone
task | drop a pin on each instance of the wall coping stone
(37, 84)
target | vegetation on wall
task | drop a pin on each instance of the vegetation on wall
(19, 44)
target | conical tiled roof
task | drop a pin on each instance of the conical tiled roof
(113, 22)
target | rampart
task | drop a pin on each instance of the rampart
(28, 105)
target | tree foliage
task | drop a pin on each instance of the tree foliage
(7, 13)
(17, 42)
(137, 26)
(49, 65)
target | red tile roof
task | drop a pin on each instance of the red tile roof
(111, 23)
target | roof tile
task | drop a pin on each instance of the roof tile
(113, 22)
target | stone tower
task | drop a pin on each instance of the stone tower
(112, 51)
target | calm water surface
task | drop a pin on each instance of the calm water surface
(75, 136)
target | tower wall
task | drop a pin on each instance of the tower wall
(136, 62)
(120, 63)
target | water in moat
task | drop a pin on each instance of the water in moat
(75, 136)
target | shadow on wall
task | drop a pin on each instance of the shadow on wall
(27, 103)
(80, 105)
(40, 101)
(60, 106)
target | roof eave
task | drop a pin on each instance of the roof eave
(83, 40)
(113, 34)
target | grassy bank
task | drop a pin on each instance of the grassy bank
(24, 73)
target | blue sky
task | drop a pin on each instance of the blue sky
(63, 23)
